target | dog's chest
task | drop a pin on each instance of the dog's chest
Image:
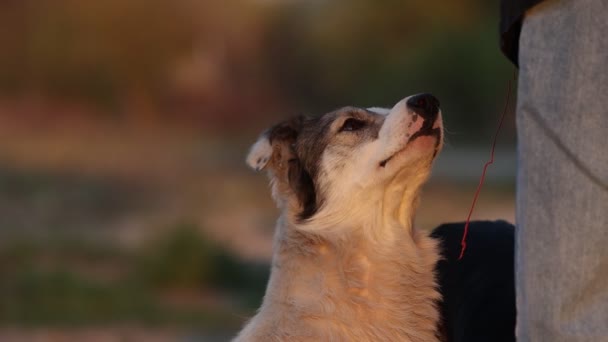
(356, 297)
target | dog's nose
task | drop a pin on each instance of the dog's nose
(425, 105)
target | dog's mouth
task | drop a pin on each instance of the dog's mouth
(383, 163)
(423, 132)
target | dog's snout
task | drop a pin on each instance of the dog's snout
(425, 105)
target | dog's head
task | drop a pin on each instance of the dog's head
(353, 166)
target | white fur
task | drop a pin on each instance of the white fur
(260, 153)
(355, 194)
(379, 110)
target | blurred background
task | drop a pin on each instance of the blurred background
(126, 210)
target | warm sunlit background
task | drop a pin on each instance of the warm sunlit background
(126, 210)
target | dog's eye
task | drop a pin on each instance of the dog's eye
(352, 125)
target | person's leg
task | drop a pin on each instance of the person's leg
(562, 181)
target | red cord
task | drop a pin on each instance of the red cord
(463, 243)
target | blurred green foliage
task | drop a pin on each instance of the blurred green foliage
(61, 281)
(184, 259)
(181, 259)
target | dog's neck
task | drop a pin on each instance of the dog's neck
(349, 288)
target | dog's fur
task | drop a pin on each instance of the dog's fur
(348, 265)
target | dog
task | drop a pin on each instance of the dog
(348, 264)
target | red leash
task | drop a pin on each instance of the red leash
(463, 243)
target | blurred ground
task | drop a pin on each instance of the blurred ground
(126, 210)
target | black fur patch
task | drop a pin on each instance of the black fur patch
(309, 148)
(298, 175)
(303, 186)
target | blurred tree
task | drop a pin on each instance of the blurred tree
(100, 50)
(371, 53)
(221, 63)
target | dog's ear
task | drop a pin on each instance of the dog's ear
(275, 151)
(275, 147)
(260, 153)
